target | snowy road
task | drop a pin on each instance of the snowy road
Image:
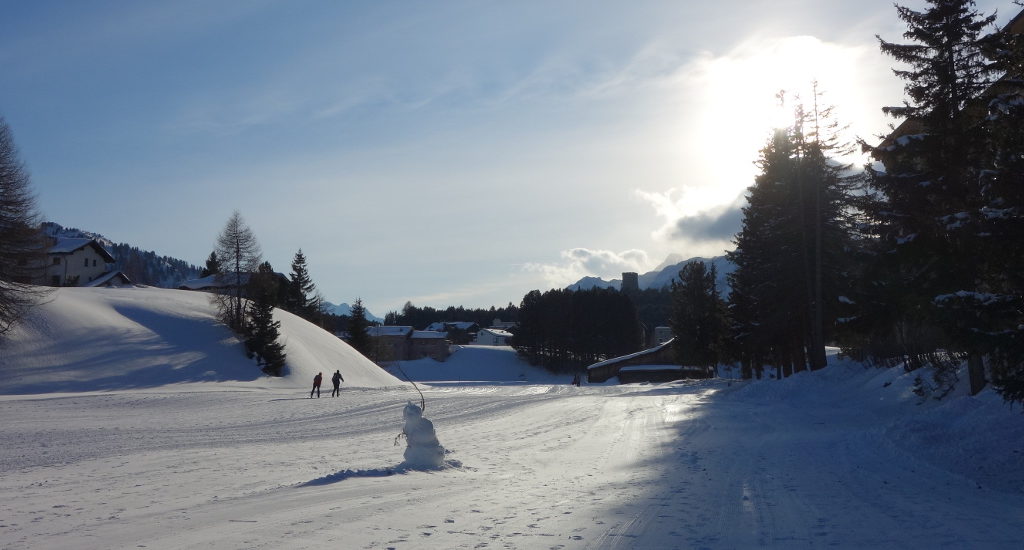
(530, 466)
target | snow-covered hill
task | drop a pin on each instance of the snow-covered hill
(82, 339)
(664, 275)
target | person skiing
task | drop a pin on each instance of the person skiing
(337, 380)
(316, 385)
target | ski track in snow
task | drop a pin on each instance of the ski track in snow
(529, 466)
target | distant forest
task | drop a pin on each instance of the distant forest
(420, 317)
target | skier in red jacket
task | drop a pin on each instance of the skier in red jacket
(316, 385)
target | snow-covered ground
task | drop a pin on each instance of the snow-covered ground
(842, 458)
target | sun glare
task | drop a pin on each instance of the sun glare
(745, 94)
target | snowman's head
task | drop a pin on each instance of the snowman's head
(411, 411)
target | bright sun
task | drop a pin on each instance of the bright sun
(741, 89)
(736, 105)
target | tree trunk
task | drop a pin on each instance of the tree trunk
(976, 372)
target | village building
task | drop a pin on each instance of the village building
(428, 343)
(467, 326)
(76, 262)
(662, 335)
(222, 282)
(389, 342)
(110, 279)
(492, 337)
(459, 332)
(403, 343)
(657, 364)
(503, 325)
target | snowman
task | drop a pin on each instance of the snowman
(422, 451)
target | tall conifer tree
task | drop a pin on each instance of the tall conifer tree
(930, 181)
(698, 317)
(358, 337)
(263, 331)
(301, 290)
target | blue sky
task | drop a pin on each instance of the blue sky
(439, 152)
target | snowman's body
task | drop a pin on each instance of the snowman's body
(422, 450)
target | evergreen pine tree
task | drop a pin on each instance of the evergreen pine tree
(698, 317)
(301, 290)
(212, 265)
(791, 252)
(769, 275)
(358, 337)
(263, 331)
(930, 184)
(996, 310)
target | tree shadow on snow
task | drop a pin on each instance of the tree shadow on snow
(165, 349)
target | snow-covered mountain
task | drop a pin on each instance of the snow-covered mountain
(663, 276)
(345, 310)
(588, 283)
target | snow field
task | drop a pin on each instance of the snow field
(158, 435)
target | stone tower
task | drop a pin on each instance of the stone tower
(630, 282)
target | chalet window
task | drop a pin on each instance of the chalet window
(56, 260)
(86, 264)
(94, 263)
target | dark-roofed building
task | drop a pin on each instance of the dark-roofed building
(428, 343)
(403, 343)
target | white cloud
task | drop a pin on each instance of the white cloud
(582, 262)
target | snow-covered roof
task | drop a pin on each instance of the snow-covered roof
(640, 353)
(197, 284)
(214, 281)
(388, 330)
(498, 332)
(646, 368)
(429, 335)
(461, 325)
(106, 277)
(69, 245)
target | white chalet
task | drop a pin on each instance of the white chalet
(492, 337)
(76, 262)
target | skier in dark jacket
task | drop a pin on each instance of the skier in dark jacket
(316, 385)
(337, 379)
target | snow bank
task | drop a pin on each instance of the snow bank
(978, 437)
(89, 339)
